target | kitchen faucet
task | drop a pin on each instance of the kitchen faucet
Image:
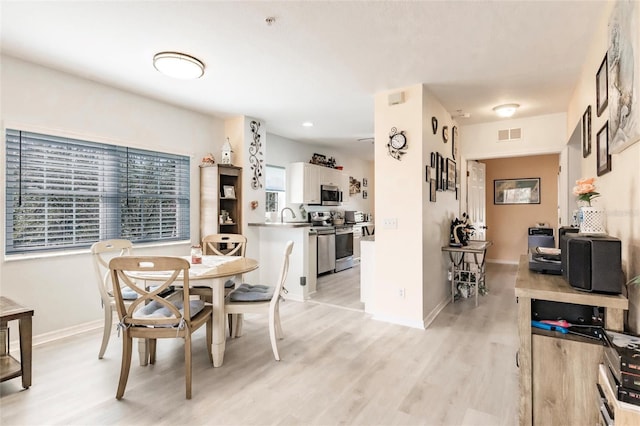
(293, 215)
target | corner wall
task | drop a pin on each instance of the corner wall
(620, 188)
(410, 272)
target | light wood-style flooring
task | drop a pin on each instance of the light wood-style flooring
(338, 367)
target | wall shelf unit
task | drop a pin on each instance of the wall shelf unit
(220, 200)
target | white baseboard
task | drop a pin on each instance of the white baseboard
(66, 332)
(433, 314)
(399, 321)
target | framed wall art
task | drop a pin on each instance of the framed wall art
(586, 132)
(438, 172)
(516, 191)
(602, 145)
(229, 191)
(602, 87)
(622, 76)
(451, 175)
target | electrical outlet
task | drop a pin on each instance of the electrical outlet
(390, 223)
(303, 281)
(401, 292)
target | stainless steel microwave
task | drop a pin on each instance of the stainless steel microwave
(330, 195)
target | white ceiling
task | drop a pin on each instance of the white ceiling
(320, 61)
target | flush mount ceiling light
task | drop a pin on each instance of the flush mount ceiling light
(178, 65)
(506, 110)
(307, 124)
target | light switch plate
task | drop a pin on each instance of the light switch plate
(390, 223)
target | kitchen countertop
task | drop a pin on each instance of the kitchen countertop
(282, 224)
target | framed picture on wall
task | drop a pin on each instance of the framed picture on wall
(451, 175)
(586, 132)
(604, 158)
(602, 87)
(516, 191)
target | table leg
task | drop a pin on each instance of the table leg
(219, 334)
(143, 352)
(25, 350)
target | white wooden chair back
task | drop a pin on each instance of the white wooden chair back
(236, 245)
(102, 252)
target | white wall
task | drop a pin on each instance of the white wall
(409, 256)
(282, 151)
(620, 188)
(62, 290)
(544, 134)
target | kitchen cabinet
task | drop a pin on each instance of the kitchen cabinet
(304, 181)
(215, 196)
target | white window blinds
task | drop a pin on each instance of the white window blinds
(64, 193)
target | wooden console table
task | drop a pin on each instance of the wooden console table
(465, 271)
(9, 366)
(558, 373)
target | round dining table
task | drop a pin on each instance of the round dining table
(213, 272)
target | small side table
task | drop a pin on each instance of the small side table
(466, 272)
(9, 366)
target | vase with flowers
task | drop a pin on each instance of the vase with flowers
(592, 220)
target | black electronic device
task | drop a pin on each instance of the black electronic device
(592, 263)
(540, 231)
(571, 312)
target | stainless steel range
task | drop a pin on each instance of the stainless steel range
(344, 247)
(335, 244)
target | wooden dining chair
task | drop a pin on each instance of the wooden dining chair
(221, 245)
(154, 317)
(224, 245)
(102, 252)
(261, 299)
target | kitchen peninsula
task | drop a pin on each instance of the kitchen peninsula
(301, 279)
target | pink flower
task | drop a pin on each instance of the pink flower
(585, 190)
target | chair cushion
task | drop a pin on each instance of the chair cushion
(156, 310)
(229, 284)
(129, 294)
(251, 293)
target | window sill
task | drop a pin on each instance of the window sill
(51, 254)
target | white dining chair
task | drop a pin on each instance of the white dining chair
(102, 252)
(260, 299)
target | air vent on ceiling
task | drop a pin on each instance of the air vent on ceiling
(506, 135)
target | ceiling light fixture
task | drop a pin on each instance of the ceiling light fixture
(178, 65)
(307, 124)
(506, 110)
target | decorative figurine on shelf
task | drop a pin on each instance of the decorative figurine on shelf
(208, 160)
(461, 230)
(226, 152)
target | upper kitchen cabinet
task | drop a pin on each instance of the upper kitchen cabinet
(304, 181)
(220, 200)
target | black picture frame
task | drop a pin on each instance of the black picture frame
(586, 132)
(516, 191)
(602, 87)
(365, 182)
(454, 142)
(451, 175)
(438, 172)
(603, 162)
(364, 195)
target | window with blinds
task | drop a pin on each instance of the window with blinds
(65, 193)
